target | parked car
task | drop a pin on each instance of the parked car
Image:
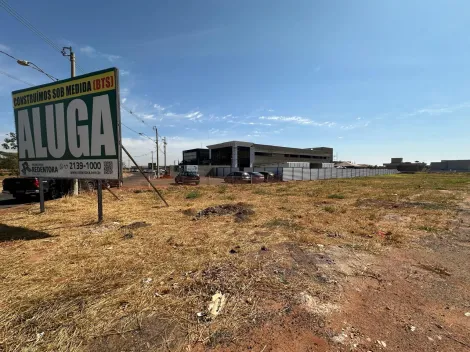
(268, 176)
(186, 177)
(238, 177)
(28, 187)
(256, 177)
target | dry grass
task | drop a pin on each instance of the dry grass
(84, 284)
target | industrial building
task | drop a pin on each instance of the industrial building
(198, 156)
(451, 165)
(398, 164)
(393, 163)
(247, 154)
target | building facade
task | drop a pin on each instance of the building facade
(198, 156)
(451, 165)
(247, 154)
(397, 163)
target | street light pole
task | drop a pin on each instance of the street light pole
(71, 54)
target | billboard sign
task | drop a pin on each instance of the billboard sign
(70, 128)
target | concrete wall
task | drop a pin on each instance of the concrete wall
(299, 174)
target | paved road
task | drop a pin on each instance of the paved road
(7, 201)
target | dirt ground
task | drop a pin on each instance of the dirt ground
(414, 299)
(367, 264)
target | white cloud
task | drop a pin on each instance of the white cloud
(124, 100)
(124, 72)
(147, 116)
(88, 50)
(298, 120)
(437, 110)
(340, 137)
(158, 107)
(194, 115)
(5, 48)
(110, 57)
(250, 123)
(93, 53)
(125, 91)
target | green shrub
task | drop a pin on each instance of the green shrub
(193, 194)
(336, 196)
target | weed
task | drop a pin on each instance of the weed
(329, 209)
(101, 262)
(428, 228)
(193, 194)
(336, 196)
(260, 191)
(222, 189)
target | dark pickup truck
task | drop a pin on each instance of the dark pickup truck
(25, 187)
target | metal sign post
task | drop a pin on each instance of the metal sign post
(100, 200)
(42, 208)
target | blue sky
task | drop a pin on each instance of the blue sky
(372, 79)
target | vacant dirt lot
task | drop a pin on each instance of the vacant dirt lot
(365, 264)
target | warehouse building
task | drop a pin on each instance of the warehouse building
(198, 156)
(451, 165)
(398, 164)
(247, 154)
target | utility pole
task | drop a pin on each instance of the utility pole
(156, 142)
(152, 160)
(164, 152)
(71, 54)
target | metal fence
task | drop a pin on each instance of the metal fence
(305, 174)
(301, 174)
(222, 171)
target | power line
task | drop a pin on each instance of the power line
(129, 128)
(135, 115)
(15, 78)
(32, 28)
(30, 64)
(3, 52)
(141, 120)
(28, 25)
(139, 133)
(139, 156)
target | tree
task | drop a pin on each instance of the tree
(10, 142)
(8, 161)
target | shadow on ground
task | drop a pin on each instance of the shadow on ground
(12, 202)
(12, 233)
